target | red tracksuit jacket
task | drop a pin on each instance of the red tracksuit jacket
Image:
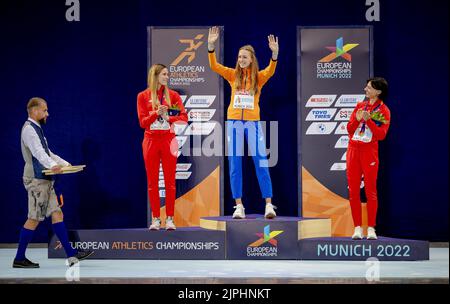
(147, 115)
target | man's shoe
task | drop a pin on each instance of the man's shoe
(24, 264)
(270, 212)
(371, 235)
(156, 223)
(358, 234)
(81, 255)
(170, 225)
(239, 213)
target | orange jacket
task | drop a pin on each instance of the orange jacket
(229, 75)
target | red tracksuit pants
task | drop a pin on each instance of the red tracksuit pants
(160, 148)
(363, 160)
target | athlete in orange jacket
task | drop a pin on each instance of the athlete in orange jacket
(243, 117)
(158, 108)
(368, 124)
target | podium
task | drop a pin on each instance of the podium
(253, 238)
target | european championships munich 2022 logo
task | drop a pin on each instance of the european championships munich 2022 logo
(330, 68)
(268, 237)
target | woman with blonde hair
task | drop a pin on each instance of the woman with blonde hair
(243, 118)
(158, 109)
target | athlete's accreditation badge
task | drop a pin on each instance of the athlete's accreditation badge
(160, 124)
(243, 100)
(363, 133)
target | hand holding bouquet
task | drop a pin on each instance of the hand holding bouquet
(174, 110)
(378, 117)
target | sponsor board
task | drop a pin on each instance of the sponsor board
(320, 101)
(321, 128)
(183, 166)
(349, 100)
(342, 129)
(338, 167)
(342, 142)
(201, 114)
(182, 175)
(334, 63)
(344, 114)
(200, 101)
(320, 114)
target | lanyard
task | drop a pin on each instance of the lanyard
(363, 127)
(161, 102)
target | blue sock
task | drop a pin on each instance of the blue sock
(61, 232)
(24, 239)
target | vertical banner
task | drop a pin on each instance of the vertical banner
(333, 66)
(199, 176)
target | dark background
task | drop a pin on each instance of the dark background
(91, 71)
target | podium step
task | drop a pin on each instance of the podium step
(383, 249)
(306, 227)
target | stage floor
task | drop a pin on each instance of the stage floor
(436, 270)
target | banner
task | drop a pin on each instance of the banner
(199, 176)
(190, 243)
(333, 66)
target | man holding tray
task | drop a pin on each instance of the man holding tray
(42, 201)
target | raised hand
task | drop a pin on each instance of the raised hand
(212, 37)
(273, 45)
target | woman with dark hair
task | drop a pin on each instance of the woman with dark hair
(369, 123)
(243, 119)
(158, 108)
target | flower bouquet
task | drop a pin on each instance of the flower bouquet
(174, 110)
(379, 118)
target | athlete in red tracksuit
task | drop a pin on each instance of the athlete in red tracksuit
(368, 124)
(160, 144)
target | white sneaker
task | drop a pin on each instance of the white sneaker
(170, 225)
(156, 223)
(239, 213)
(270, 212)
(358, 234)
(371, 235)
